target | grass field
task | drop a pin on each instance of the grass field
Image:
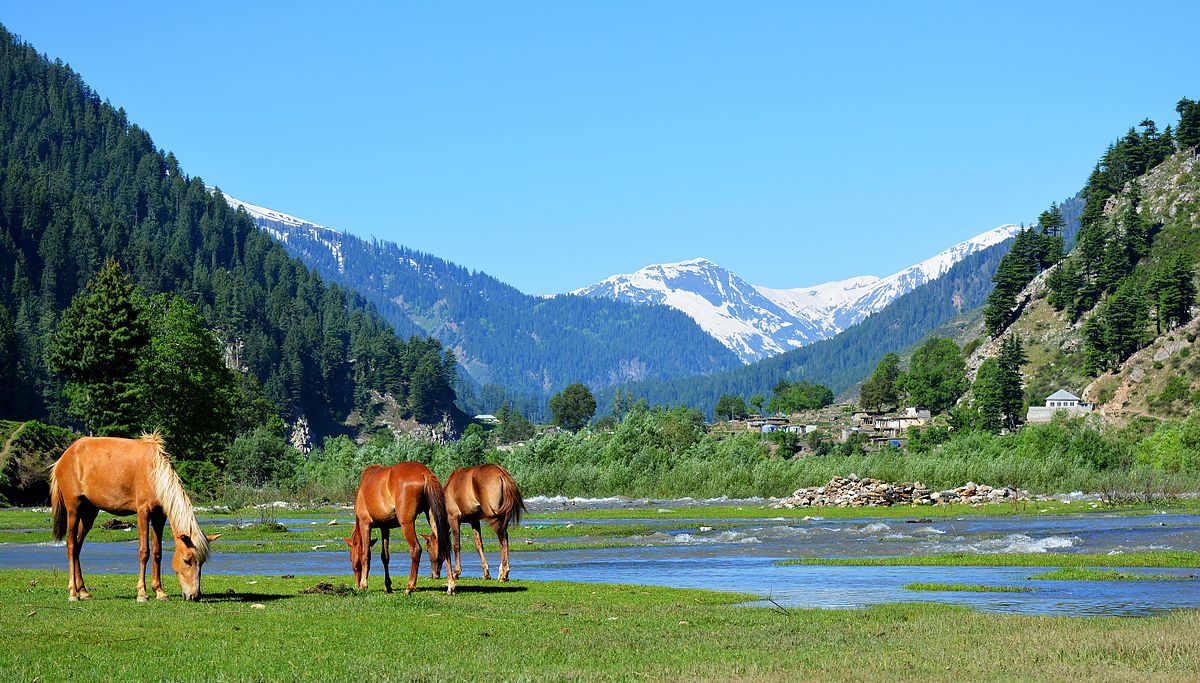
(550, 631)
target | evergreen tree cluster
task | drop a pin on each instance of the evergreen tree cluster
(1032, 252)
(998, 391)
(80, 184)
(1103, 274)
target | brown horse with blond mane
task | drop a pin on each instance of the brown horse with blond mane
(482, 492)
(125, 477)
(390, 497)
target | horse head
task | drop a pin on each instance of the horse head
(435, 562)
(188, 561)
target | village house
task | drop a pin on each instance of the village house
(897, 425)
(1060, 400)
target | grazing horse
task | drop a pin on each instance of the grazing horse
(124, 477)
(482, 492)
(390, 497)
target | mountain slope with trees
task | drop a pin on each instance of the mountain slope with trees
(1113, 321)
(80, 185)
(512, 344)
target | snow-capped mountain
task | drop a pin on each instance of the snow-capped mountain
(281, 226)
(756, 322)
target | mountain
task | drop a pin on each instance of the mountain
(843, 360)
(514, 346)
(756, 322)
(80, 184)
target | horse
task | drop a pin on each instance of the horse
(390, 497)
(124, 477)
(482, 492)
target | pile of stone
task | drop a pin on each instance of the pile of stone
(855, 492)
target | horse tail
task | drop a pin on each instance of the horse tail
(58, 507)
(436, 497)
(512, 505)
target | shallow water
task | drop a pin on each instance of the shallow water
(743, 559)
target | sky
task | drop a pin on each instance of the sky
(553, 144)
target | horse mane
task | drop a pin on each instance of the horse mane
(173, 499)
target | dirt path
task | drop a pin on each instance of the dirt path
(9, 442)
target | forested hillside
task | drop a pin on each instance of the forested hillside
(1113, 319)
(846, 359)
(80, 185)
(511, 343)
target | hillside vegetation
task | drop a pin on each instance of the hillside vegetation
(1154, 374)
(82, 186)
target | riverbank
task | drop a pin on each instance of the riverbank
(551, 631)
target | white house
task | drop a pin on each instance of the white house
(1060, 400)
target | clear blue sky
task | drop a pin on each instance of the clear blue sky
(553, 144)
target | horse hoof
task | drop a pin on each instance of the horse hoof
(487, 576)
(503, 579)
(85, 596)
(142, 598)
(72, 598)
(450, 590)
(408, 591)
(164, 597)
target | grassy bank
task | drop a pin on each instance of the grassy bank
(551, 631)
(964, 588)
(1082, 574)
(1164, 558)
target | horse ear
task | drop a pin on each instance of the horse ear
(186, 540)
(348, 542)
(212, 537)
(374, 541)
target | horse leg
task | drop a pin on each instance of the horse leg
(384, 555)
(143, 523)
(414, 550)
(456, 531)
(487, 574)
(72, 555)
(502, 536)
(157, 520)
(364, 544)
(87, 517)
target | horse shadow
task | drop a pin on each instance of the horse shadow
(246, 597)
(470, 588)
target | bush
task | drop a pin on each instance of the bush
(262, 457)
(201, 478)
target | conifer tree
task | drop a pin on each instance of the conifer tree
(97, 349)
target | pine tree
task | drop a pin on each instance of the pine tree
(1188, 132)
(97, 349)
(1095, 349)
